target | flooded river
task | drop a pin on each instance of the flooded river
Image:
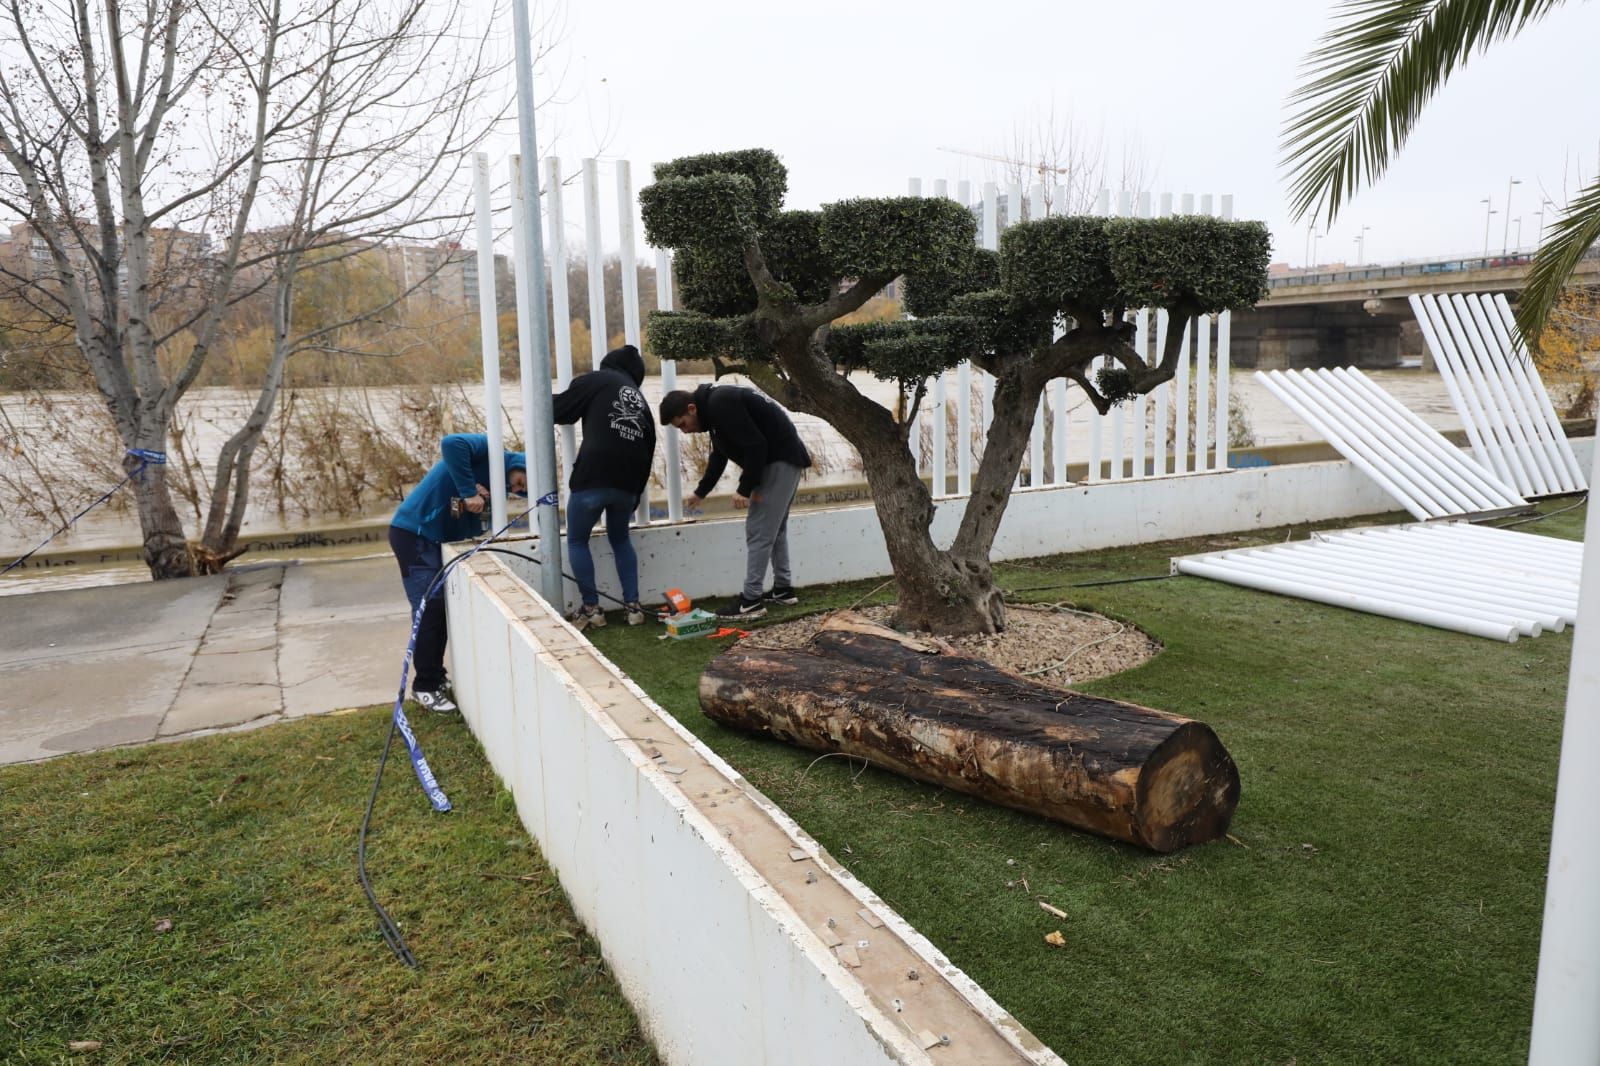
(212, 414)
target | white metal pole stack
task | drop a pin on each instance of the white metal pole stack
(489, 324)
(542, 476)
(669, 381)
(1566, 1021)
(629, 269)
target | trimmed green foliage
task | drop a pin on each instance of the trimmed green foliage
(897, 235)
(246, 842)
(768, 176)
(706, 211)
(1363, 911)
(1059, 263)
(908, 351)
(691, 335)
(792, 246)
(1006, 326)
(1206, 263)
(930, 292)
(713, 281)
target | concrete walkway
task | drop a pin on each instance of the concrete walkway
(128, 664)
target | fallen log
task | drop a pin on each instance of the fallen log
(915, 706)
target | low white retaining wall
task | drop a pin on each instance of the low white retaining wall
(706, 558)
(710, 905)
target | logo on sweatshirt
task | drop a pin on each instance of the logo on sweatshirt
(628, 412)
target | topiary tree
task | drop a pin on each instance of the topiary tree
(762, 287)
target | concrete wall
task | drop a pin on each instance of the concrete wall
(706, 558)
(706, 899)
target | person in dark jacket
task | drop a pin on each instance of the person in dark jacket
(609, 474)
(756, 434)
(424, 521)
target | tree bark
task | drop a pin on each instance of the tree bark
(916, 707)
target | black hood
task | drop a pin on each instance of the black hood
(625, 360)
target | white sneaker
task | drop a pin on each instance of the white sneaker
(587, 617)
(635, 614)
(437, 702)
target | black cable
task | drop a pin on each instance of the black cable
(386, 926)
(540, 562)
(1543, 515)
(1094, 584)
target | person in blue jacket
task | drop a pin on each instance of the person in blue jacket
(424, 521)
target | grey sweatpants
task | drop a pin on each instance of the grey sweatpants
(766, 530)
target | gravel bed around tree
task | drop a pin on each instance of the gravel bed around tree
(1057, 645)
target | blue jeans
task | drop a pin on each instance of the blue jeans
(420, 562)
(584, 508)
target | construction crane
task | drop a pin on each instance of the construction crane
(1042, 167)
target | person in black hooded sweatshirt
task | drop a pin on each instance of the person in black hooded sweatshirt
(609, 475)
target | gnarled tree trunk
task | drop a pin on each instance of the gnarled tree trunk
(1123, 771)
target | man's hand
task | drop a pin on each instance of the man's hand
(476, 504)
(692, 501)
(740, 502)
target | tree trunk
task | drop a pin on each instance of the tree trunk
(918, 708)
(166, 549)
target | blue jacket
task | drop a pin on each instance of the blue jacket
(462, 467)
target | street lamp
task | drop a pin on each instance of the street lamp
(1504, 243)
(1361, 246)
(1488, 213)
(1314, 241)
(1518, 245)
(1542, 205)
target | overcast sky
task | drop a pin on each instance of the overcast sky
(857, 95)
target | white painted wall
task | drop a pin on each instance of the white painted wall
(720, 967)
(706, 558)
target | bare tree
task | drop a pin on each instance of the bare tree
(141, 145)
(1056, 150)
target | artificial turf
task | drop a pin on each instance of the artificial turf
(1379, 899)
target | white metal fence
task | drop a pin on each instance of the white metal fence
(1181, 427)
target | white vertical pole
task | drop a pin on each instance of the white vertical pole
(1188, 204)
(1202, 377)
(1166, 204)
(542, 483)
(941, 465)
(1013, 204)
(628, 271)
(1058, 201)
(1180, 403)
(964, 393)
(914, 187)
(489, 324)
(940, 188)
(562, 309)
(1058, 389)
(1566, 1025)
(1036, 442)
(1205, 203)
(1158, 434)
(1097, 421)
(914, 435)
(520, 269)
(669, 381)
(595, 254)
(1141, 335)
(1224, 362)
(1119, 429)
(991, 241)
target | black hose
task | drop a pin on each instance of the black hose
(1094, 584)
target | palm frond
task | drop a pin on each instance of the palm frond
(1571, 235)
(1368, 81)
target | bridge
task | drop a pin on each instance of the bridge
(1358, 316)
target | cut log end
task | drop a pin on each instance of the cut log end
(917, 707)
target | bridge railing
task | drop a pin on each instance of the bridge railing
(1410, 268)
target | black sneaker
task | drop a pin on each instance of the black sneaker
(784, 595)
(742, 608)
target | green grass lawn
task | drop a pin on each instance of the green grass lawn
(1382, 898)
(246, 843)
